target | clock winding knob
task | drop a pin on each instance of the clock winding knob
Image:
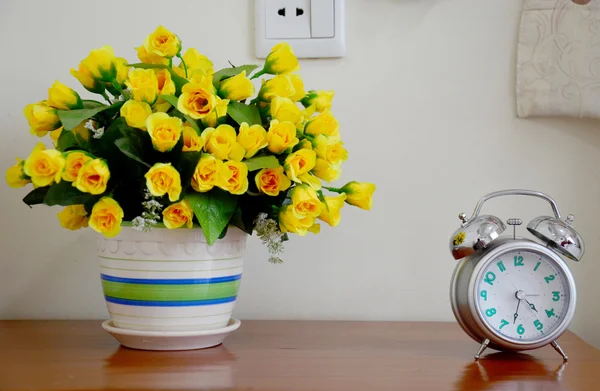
(514, 221)
(463, 217)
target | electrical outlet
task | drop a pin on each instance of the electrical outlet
(287, 19)
(313, 28)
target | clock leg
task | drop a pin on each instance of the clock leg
(557, 347)
(483, 346)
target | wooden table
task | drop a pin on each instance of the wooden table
(290, 355)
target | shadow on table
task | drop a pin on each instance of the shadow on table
(198, 369)
(510, 371)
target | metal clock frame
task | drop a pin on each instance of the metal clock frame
(464, 301)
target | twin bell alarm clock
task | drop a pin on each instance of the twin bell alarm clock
(512, 293)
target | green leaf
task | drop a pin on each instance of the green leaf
(244, 113)
(71, 118)
(91, 104)
(64, 193)
(258, 163)
(230, 72)
(187, 165)
(130, 150)
(213, 210)
(172, 100)
(66, 141)
(36, 196)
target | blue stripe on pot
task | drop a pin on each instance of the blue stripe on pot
(189, 303)
(183, 281)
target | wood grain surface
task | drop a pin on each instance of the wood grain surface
(287, 355)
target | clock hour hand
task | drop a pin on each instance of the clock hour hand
(531, 306)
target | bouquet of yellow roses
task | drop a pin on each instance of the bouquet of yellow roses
(180, 144)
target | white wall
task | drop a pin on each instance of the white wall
(426, 102)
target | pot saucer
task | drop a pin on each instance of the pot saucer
(170, 340)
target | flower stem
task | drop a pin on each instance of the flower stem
(333, 189)
(117, 86)
(258, 74)
(184, 65)
(106, 97)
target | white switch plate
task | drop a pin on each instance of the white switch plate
(311, 33)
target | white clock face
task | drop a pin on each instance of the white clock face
(523, 295)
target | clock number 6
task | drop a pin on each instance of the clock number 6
(520, 329)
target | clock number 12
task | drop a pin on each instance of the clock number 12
(518, 261)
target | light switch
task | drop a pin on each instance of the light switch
(322, 19)
(313, 28)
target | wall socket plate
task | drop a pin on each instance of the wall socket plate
(313, 28)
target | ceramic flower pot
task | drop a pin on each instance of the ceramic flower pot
(171, 280)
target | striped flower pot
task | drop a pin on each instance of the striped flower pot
(171, 280)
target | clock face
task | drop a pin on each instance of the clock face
(523, 295)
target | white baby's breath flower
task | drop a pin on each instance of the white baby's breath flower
(269, 233)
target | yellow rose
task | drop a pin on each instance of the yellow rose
(206, 174)
(164, 131)
(74, 160)
(289, 222)
(326, 171)
(106, 217)
(15, 176)
(150, 58)
(299, 163)
(143, 85)
(122, 70)
(219, 112)
(238, 87)
(93, 177)
(41, 118)
(101, 64)
(280, 85)
(163, 179)
(305, 144)
(284, 109)
(136, 113)
(320, 99)
(330, 149)
(222, 143)
(281, 136)
(359, 194)
(166, 86)
(305, 202)
(84, 75)
(197, 63)
(324, 123)
(163, 43)
(192, 142)
(196, 101)
(233, 177)
(63, 98)
(73, 217)
(44, 166)
(281, 60)
(271, 181)
(179, 214)
(252, 138)
(299, 87)
(330, 210)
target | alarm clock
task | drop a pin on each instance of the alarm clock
(513, 293)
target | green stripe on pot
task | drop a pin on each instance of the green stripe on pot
(151, 292)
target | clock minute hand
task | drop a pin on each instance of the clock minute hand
(516, 312)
